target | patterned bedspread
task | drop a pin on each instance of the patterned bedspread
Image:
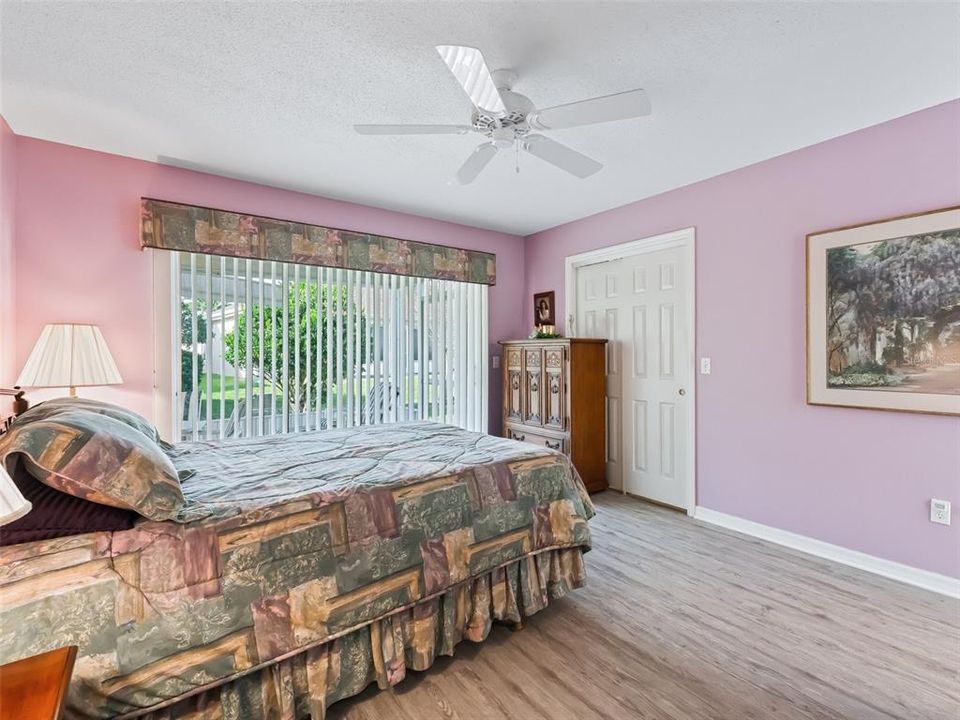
(283, 543)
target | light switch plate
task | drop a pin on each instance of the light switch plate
(704, 366)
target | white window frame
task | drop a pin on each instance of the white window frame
(166, 335)
(473, 413)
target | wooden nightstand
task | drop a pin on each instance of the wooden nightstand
(34, 688)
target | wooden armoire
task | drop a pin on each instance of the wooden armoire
(553, 395)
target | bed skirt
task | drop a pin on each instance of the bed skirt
(304, 684)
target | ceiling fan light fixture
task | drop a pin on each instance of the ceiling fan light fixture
(503, 137)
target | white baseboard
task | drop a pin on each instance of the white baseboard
(943, 584)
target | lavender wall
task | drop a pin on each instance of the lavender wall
(78, 257)
(857, 478)
(8, 188)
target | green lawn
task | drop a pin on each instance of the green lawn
(232, 392)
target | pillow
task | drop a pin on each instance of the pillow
(127, 417)
(98, 458)
(56, 514)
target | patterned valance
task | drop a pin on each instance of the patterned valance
(171, 226)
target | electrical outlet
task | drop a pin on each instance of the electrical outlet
(940, 511)
(496, 361)
(704, 366)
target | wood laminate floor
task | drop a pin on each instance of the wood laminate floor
(682, 620)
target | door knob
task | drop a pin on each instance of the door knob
(682, 391)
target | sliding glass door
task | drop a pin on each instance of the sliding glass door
(268, 347)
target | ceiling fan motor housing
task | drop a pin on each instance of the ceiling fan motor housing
(518, 107)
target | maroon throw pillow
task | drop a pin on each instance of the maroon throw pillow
(56, 514)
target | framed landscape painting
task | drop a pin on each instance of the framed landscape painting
(883, 314)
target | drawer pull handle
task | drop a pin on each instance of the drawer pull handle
(521, 438)
(555, 389)
(553, 445)
(534, 387)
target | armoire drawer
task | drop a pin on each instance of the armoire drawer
(525, 434)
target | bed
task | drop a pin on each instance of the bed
(299, 569)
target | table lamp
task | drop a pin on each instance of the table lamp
(71, 356)
(12, 504)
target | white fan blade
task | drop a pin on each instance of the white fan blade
(476, 163)
(470, 70)
(412, 129)
(560, 155)
(621, 106)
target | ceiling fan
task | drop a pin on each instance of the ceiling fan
(509, 119)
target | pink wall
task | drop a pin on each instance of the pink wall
(857, 478)
(79, 259)
(8, 191)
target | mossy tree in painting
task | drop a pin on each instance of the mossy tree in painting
(893, 313)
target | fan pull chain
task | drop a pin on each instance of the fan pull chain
(516, 147)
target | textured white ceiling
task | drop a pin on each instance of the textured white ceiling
(269, 91)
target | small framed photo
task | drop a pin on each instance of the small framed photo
(543, 309)
(883, 314)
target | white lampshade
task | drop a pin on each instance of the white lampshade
(12, 504)
(70, 356)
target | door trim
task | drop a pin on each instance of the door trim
(686, 239)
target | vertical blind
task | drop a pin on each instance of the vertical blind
(269, 347)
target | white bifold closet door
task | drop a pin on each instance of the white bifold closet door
(639, 304)
(268, 347)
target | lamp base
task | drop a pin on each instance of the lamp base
(20, 404)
